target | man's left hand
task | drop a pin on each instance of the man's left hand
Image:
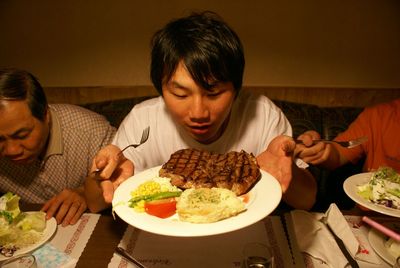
(277, 159)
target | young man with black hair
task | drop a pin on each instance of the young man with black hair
(197, 65)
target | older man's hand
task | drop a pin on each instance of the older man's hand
(67, 207)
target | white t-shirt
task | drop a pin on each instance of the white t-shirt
(254, 122)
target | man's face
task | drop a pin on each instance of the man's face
(22, 136)
(203, 114)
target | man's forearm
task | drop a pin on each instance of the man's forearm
(302, 190)
(94, 195)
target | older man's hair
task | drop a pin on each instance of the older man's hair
(18, 84)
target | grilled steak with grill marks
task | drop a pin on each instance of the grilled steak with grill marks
(191, 168)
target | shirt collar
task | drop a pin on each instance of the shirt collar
(55, 145)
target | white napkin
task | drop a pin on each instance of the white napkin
(72, 239)
(358, 248)
(314, 238)
(66, 246)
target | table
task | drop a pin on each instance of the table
(109, 231)
(103, 241)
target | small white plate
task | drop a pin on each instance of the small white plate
(51, 227)
(264, 198)
(350, 187)
(377, 241)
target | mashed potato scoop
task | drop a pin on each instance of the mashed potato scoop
(206, 205)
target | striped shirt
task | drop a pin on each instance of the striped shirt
(76, 134)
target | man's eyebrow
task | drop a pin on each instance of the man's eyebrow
(214, 86)
(214, 83)
(177, 84)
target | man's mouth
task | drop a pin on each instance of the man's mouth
(20, 160)
(199, 130)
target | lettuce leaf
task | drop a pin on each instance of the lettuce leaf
(365, 192)
(10, 202)
(31, 221)
(19, 228)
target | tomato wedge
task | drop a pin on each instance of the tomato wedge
(162, 208)
(245, 197)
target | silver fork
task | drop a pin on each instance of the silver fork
(347, 144)
(145, 136)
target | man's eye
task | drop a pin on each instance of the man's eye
(179, 95)
(22, 136)
(214, 94)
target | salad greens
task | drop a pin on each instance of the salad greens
(17, 228)
(383, 188)
(9, 203)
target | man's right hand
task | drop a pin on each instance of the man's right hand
(114, 169)
(312, 153)
(322, 154)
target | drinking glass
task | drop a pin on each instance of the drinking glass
(258, 255)
(20, 261)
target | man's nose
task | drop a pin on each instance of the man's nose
(10, 148)
(199, 110)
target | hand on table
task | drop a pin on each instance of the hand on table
(67, 207)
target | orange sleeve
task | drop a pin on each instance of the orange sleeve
(380, 124)
(358, 128)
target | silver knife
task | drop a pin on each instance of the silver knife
(353, 263)
(129, 257)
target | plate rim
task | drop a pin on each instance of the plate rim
(376, 238)
(186, 229)
(48, 232)
(351, 191)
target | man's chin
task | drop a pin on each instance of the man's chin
(204, 139)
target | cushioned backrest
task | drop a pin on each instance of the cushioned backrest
(302, 117)
(115, 110)
(337, 119)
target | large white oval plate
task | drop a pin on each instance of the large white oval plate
(350, 188)
(264, 198)
(51, 227)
